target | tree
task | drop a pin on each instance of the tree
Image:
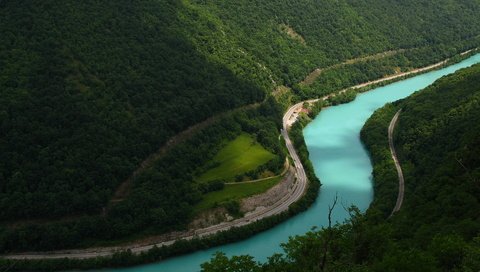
(221, 263)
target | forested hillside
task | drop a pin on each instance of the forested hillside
(339, 30)
(89, 89)
(437, 229)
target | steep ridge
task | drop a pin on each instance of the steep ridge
(91, 88)
(436, 139)
(436, 229)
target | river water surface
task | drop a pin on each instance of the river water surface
(341, 163)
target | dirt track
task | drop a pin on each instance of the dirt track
(293, 195)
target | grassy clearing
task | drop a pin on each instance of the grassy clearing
(239, 156)
(235, 192)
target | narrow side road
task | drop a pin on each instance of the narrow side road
(284, 171)
(401, 180)
(293, 195)
(123, 189)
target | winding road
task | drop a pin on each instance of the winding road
(293, 195)
(401, 180)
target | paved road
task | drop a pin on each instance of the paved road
(401, 180)
(282, 205)
(293, 195)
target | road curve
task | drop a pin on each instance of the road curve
(401, 180)
(282, 205)
(293, 195)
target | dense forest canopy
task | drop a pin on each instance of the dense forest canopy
(437, 229)
(338, 30)
(91, 88)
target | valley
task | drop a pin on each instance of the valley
(128, 126)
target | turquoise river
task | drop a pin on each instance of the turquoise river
(341, 163)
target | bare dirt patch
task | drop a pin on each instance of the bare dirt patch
(218, 215)
(310, 78)
(270, 197)
(280, 90)
(292, 33)
(210, 218)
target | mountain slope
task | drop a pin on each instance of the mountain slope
(85, 100)
(437, 228)
(92, 88)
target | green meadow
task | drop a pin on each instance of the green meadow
(239, 156)
(235, 192)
